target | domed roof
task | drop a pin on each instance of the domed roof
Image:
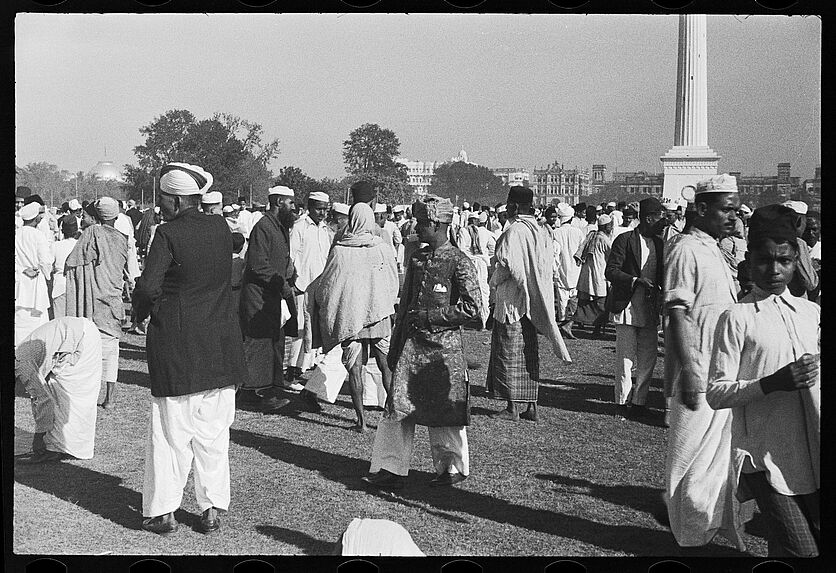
(106, 170)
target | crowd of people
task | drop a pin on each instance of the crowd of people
(238, 303)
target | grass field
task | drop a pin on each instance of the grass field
(580, 482)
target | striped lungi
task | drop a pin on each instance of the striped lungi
(514, 365)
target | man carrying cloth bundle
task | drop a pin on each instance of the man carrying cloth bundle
(765, 367)
(429, 383)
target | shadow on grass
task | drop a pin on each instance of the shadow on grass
(134, 378)
(590, 397)
(98, 493)
(641, 498)
(309, 545)
(627, 538)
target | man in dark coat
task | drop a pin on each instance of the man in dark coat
(268, 305)
(635, 270)
(134, 213)
(429, 382)
(195, 355)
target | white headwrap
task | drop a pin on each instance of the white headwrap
(212, 197)
(30, 211)
(184, 179)
(565, 212)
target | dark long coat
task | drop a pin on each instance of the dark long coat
(624, 263)
(194, 341)
(429, 381)
(268, 278)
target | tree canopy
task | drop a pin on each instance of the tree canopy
(371, 149)
(55, 186)
(230, 148)
(296, 179)
(470, 182)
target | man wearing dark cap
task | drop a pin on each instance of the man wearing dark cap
(635, 270)
(698, 289)
(524, 295)
(429, 380)
(765, 367)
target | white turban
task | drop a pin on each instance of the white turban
(108, 208)
(604, 220)
(30, 211)
(799, 207)
(212, 197)
(184, 179)
(281, 190)
(565, 212)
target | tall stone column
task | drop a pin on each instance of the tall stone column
(690, 159)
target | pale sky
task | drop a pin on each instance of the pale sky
(512, 90)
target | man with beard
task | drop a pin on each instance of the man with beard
(635, 270)
(268, 303)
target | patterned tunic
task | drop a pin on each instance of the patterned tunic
(430, 384)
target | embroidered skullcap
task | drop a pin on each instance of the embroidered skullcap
(723, 183)
(799, 207)
(565, 212)
(29, 212)
(108, 208)
(320, 196)
(649, 205)
(228, 209)
(74, 205)
(184, 179)
(434, 208)
(380, 208)
(520, 195)
(281, 190)
(362, 191)
(501, 208)
(483, 217)
(212, 198)
(776, 222)
(340, 208)
(604, 220)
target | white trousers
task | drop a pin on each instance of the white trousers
(635, 347)
(297, 356)
(393, 443)
(183, 429)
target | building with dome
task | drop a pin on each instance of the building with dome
(106, 171)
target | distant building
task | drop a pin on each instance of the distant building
(765, 189)
(106, 171)
(419, 174)
(512, 176)
(638, 183)
(555, 184)
(599, 178)
(812, 190)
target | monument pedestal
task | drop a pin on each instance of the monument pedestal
(684, 165)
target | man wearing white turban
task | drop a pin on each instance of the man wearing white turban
(33, 263)
(195, 354)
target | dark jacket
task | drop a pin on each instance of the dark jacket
(624, 264)
(135, 216)
(429, 379)
(193, 342)
(268, 278)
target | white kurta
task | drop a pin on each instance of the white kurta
(309, 247)
(487, 245)
(31, 294)
(699, 477)
(182, 430)
(123, 225)
(60, 363)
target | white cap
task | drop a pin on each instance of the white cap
(744, 209)
(604, 220)
(669, 204)
(398, 208)
(30, 211)
(380, 208)
(74, 205)
(611, 204)
(483, 217)
(465, 205)
(157, 209)
(472, 215)
(281, 190)
(236, 206)
(799, 207)
(319, 196)
(501, 208)
(228, 209)
(212, 197)
(340, 208)
(598, 208)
